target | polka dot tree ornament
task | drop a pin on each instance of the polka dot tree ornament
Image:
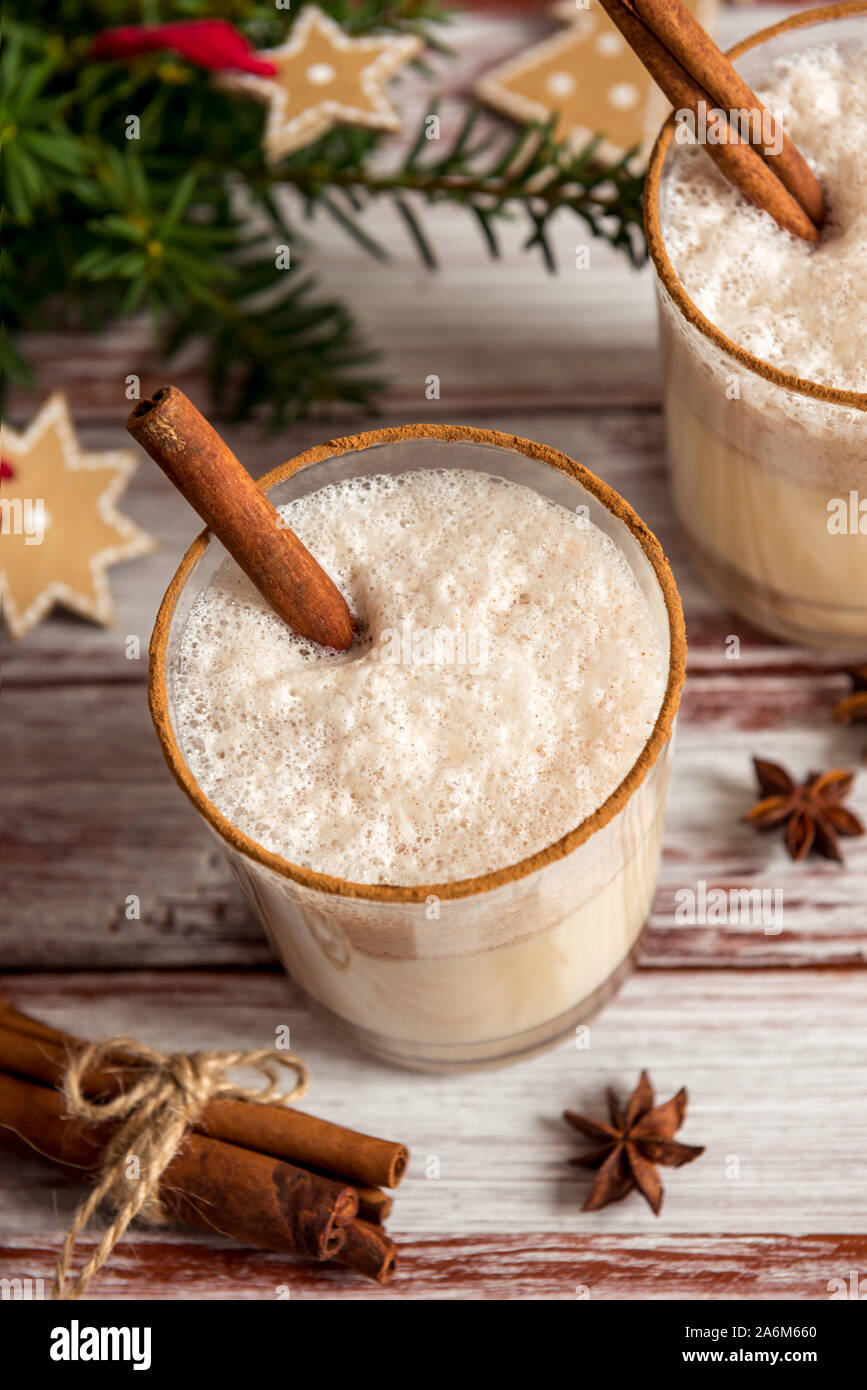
(587, 75)
(323, 78)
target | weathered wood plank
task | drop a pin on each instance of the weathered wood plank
(570, 341)
(774, 1063)
(92, 824)
(92, 817)
(470, 1268)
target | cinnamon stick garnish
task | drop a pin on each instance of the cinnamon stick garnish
(696, 51)
(219, 1187)
(740, 162)
(202, 467)
(369, 1250)
(35, 1050)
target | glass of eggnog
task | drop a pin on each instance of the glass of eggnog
(451, 832)
(764, 346)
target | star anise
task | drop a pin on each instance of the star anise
(853, 706)
(812, 812)
(630, 1146)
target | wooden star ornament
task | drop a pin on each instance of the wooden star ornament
(60, 528)
(588, 75)
(324, 78)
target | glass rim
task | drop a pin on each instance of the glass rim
(656, 244)
(158, 696)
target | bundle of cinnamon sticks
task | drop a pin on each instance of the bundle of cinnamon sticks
(267, 1175)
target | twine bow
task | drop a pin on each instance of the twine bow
(155, 1112)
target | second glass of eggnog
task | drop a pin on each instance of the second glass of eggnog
(764, 346)
(451, 832)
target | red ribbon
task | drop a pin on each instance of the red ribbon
(211, 43)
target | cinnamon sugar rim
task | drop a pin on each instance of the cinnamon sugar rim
(328, 883)
(664, 268)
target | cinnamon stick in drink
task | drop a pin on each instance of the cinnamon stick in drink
(202, 467)
(35, 1050)
(219, 1187)
(741, 164)
(696, 51)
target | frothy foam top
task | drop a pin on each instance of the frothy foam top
(425, 757)
(801, 308)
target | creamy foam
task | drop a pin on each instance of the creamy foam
(801, 308)
(423, 757)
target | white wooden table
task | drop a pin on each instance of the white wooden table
(768, 1031)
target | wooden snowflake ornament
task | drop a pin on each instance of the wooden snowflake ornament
(324, 78)
(60, 527)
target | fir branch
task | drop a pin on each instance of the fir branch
(286, 348)
(41, 155)
(532, 174)
(162, 224)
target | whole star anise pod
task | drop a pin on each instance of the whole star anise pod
(812, 812)
(853, 706)
(630, 1146)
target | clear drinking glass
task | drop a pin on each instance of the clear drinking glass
(753, 476)
(481, 970)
